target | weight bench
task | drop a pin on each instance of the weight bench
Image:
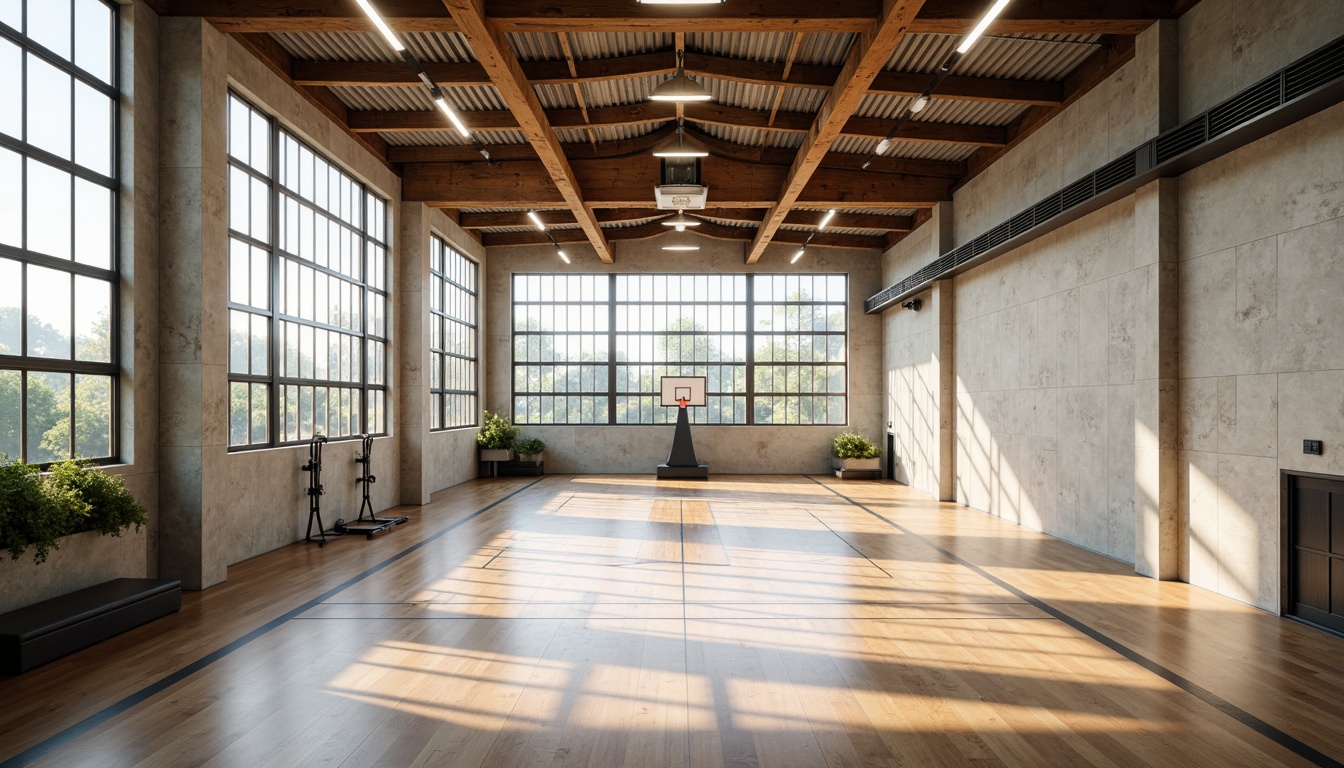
(39, 633)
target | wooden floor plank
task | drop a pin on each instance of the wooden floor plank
(619, 621)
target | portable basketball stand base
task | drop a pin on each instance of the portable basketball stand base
(681, 462)
(372, 525)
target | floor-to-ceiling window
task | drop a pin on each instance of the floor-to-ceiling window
(307, 291)
(591, 349)
(58, 229)
(454, 309)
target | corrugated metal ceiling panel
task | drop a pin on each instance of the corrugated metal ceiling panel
(451, 138)
(828, 48)
(941, 110)
(602, 45)
(375, 97)
(746, 95)
(335, 46)
(533, 46)
(438, 46)
(754, 46)
(1025, 57)
(626, 90)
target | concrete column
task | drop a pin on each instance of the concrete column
(944, 302)
(1156, 482)
(411, 299)
(193, 278)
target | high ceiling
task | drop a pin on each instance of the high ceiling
(557, 93)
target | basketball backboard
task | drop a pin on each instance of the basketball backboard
(689, 388)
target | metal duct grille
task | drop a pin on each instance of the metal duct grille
(1323, 67)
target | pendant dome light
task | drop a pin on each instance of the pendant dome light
(680, 241)
(680, 145)
(681, 221)
(679, 87)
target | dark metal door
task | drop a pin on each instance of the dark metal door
(891, 456)
(1316, 551)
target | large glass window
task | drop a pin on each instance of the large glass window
(591, 349)
(307, 291)
(453, 340)
(58, 261)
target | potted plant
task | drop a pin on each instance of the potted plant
(38, 510)
(496, 438)
(529, 450)
(855, 452)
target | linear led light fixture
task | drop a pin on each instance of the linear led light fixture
(797, 255)
(980, 28)
(448, 110)
(681, 2)
(561, 253)
(826, 220)
(536, 220)
(679, 87)
(381, 25)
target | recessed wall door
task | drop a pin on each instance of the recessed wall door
(1316, 551)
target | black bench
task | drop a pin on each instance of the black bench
(36, 634)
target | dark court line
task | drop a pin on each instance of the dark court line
(37, 751)
(1261, 727)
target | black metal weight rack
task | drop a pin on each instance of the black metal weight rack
(372, 524)
(314, 470)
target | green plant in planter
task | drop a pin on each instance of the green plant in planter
(37, 511)
(111, 508)
(849, 445)
(530, 447)
(496, 433)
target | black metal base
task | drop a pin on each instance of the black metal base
(371, 528)
(697, 472)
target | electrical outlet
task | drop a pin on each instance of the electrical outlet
(1312, 447)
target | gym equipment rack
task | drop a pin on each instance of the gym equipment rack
(314, 470)
(372, 525)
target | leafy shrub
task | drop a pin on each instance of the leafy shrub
(37, 511)
(496, 432)
(530, 447)
(849, 445)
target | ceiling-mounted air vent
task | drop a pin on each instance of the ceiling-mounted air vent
(1305, 87)
(681, 189)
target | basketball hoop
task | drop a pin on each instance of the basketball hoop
(683, 401)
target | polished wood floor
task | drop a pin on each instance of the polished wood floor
(615, 621)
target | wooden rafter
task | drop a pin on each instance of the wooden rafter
(1123, 17)
(866, 59)
(376, 121)
(784, 75)
(779, 75)
(706, 229)
(618, 183)
(748, 215)
(493, 51)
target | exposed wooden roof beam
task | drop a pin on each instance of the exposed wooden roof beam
(866, 59)
(372, 121)
(493, 51)
(550, 72)
(618, 183)
(707, 229)
(1114, 53)
(753, 215)
(784, 75)
(946, 16)
(279, 61)
(718, 148)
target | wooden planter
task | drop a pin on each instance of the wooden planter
(864, 465)
(530, 458)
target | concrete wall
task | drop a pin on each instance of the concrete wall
(1135, 381)
(727, 449)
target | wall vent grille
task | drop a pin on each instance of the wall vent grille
(1319, 75)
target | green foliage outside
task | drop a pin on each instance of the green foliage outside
(849, 445)
(47, 404)
(496, 432)
(37, 510)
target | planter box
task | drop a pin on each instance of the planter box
(865, 465)
(496, 454)
(530, 458)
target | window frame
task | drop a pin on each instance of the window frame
(751, 303)
(24, 363)
(439, 282)
(275, 380)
